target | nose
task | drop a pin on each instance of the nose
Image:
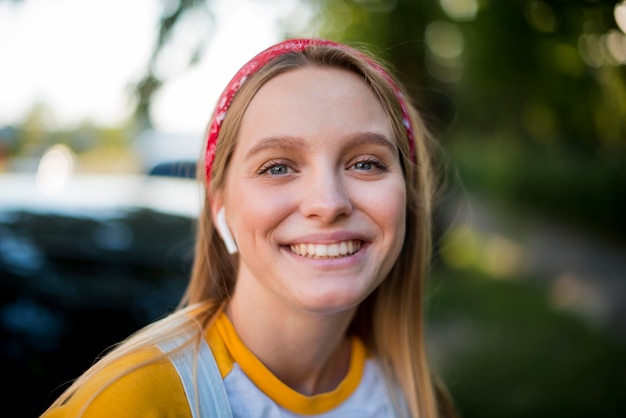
(325, 196)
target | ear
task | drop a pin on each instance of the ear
(216, 202)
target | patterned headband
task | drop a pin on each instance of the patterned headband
(259, 61)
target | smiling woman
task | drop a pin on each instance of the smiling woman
(317, 165)
(306, 291)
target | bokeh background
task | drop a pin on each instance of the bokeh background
(103, 106)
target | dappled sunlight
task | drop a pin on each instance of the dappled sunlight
(445, 44)
(590, 49)
(571, 293)
(619, 12)
(462, 10)
(616, 46)
(609, 48)
(493, 254)
(444, 39)
(459, 247)
(600, 50)
(501, 257)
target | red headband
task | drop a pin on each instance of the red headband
(259, 61)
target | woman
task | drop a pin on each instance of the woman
(306, 290)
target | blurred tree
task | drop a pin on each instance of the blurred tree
(528, 96)
(175, 16)
(546, 71)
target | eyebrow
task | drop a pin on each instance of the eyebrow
(274, 142)
(368, 138)
(292, 142)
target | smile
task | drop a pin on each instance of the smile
(335, 250)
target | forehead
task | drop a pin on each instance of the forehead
(314, 84)
(314, 101)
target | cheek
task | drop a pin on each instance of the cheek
(387, 203)
(259, 210)
(395, 215)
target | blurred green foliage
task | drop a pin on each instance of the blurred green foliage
(505, 351)
(561, 182)
(528, 96)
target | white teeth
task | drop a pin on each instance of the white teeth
(326, 251)
(321, 250)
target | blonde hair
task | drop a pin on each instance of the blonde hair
(390, 321)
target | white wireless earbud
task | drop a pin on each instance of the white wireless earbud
(225, 233)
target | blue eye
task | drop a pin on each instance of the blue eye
(363, 165)
(275, 168)
(369, 165)
(278, 169)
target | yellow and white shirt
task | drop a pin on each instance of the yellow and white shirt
(157, 390)
(253, 391)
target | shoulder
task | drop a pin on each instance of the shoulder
(137, 384)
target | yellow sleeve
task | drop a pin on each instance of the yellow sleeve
(152, 391)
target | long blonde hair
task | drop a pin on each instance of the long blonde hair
(390, 321)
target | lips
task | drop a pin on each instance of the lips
(334, 250)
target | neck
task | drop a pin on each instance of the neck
(309, 352)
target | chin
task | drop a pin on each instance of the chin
(332, 302)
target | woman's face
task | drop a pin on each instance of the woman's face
(314, 193)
